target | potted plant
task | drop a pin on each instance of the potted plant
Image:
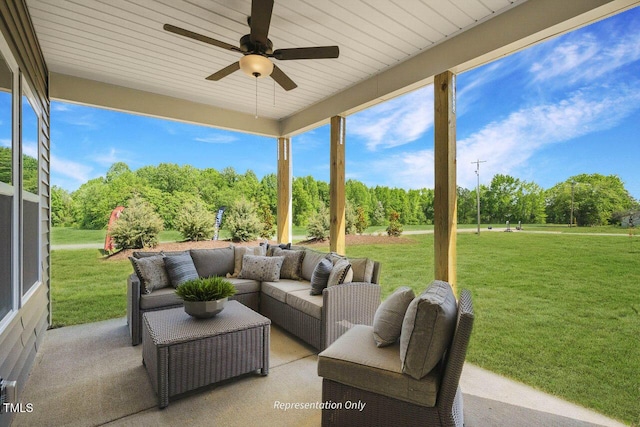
(205, 297)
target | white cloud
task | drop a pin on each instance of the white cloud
(78, 172)
(396, 122)
(585, 57)
(217, 139)
(5, 142)
(507, 145)
(112, 156)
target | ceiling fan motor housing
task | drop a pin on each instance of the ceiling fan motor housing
(248, 47)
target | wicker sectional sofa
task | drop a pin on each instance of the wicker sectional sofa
(317, 319)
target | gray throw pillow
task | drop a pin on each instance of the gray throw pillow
(340, 273)
(292, 263)
(387, 322)
(261, 268)
(213, 262)
(151, 272)
(180, 269)
(427, 329)
(320, 276)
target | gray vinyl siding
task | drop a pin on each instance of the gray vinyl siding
(21, 339)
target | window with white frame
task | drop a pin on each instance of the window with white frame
(7, 190)
(30, 153)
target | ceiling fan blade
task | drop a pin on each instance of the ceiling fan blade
(224, 72)
(199, 37)
(261, 11)
(318, 52)
(282, 79)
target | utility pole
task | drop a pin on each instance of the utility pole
(477, 162)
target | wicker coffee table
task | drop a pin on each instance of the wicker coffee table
(182, 353)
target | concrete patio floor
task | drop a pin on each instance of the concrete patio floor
(90, 375)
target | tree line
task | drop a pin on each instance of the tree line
(596, 199)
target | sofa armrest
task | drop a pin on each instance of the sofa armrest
(133, 308)
(346, 305)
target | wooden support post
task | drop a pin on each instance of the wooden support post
(284, 191)
(445, 203)
(336, 186)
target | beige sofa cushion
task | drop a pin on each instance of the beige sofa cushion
(427, 329)
(306, 303)
(311, 259)
(362, 269)
(160, 298)
(340, 273)
(278, 290)
(354, 360)
(245, 286)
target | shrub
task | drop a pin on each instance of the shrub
(361, 220)
(205, 289)
(350, 218)
(138, 226)
(268, 222)
(395, 227)
(378, 214)
(319, 223)
(242, 221)
(195, 222)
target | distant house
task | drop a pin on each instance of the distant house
(631, 220)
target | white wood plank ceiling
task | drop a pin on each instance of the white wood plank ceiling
(122, 42)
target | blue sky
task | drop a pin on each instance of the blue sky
(567, 106)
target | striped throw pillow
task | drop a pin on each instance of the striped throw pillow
(180, 269)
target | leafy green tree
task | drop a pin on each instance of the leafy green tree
(6, 162)
(242, 221)
(195, 222)
(138, 225)
(302, 205)
(595, 198)
(61, 207)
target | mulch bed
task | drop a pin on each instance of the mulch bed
(209, 244)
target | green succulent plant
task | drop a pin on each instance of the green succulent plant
(206, 289)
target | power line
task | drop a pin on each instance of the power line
(477, 162)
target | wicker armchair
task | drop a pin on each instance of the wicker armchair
(438, 394)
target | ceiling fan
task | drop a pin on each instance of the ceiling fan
(257, 48)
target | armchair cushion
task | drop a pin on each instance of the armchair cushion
(355, 360)
(306, 303)
(213, 262)
(387, 322)
(427, 329)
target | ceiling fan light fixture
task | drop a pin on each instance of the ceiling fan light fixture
(256, 65)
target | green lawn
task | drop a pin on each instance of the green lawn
(556, 312)
(71, 236)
